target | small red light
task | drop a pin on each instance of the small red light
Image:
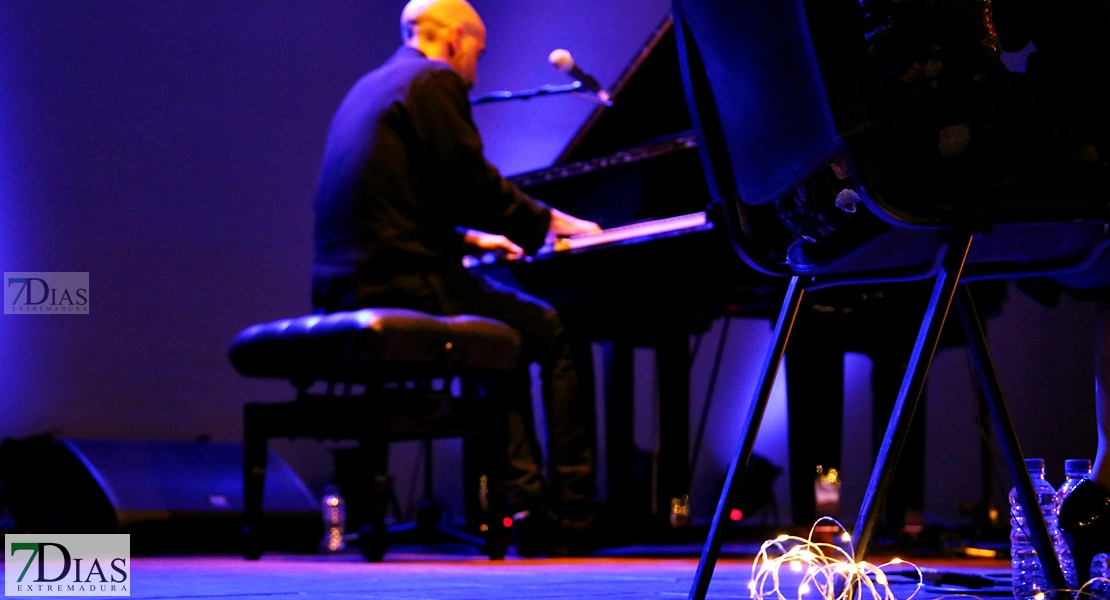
(735, 514)
(507, 522)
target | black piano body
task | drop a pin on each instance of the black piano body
(635, 165)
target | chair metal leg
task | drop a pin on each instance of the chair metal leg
(983, 367)
(712, 548)
(886, 461)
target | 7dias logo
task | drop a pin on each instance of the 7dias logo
(67, 565)
(56, 293)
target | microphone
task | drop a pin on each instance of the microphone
(564, 63)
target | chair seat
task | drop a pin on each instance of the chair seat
(374, 344)
(1008, 249)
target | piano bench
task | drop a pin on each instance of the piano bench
(375, 376)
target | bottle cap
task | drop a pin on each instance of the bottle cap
(1077, 466)
(1034, 464)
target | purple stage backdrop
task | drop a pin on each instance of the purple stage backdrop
(169, 149)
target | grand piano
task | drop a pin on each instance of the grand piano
(662, 269)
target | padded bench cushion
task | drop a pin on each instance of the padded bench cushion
(374, 344)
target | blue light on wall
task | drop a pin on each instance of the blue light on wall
(9, 222)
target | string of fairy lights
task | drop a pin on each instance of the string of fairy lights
(820, 570)
(827, 570)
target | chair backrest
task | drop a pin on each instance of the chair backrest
(765, 126)
(816, 167)
(745, 59)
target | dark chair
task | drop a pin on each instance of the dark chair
(377, 376)
(830, 173)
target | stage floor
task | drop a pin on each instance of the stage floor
(435, 573)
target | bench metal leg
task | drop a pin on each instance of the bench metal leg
(254, 479)
(374, 426)
(377, 488)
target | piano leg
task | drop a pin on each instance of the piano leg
(672, 358)
(620, 444)
(630, 476)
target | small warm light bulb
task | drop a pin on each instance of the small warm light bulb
(846, 537)
(795, 566)
(804, 588)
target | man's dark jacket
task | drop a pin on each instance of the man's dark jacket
(403, 174)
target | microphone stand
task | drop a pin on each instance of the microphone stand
(543, 90)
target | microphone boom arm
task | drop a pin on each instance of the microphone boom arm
(543, 90)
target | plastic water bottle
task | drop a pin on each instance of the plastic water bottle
(334, 510)
(1075, 471)
(1028, 576)
(1100, 568)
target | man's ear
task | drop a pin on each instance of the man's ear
(453, 43)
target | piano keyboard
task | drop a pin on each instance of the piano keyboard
(626, 232)
(635, 231)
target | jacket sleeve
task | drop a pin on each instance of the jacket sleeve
(482, 198)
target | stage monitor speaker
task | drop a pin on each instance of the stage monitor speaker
(170, 496)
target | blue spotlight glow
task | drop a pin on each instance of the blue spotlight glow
(9, 225)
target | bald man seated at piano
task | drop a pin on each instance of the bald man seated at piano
(404, 194)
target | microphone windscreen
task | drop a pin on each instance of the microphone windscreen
(561, 60)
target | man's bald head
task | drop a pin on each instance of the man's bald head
(439, 13)
(446, 30)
